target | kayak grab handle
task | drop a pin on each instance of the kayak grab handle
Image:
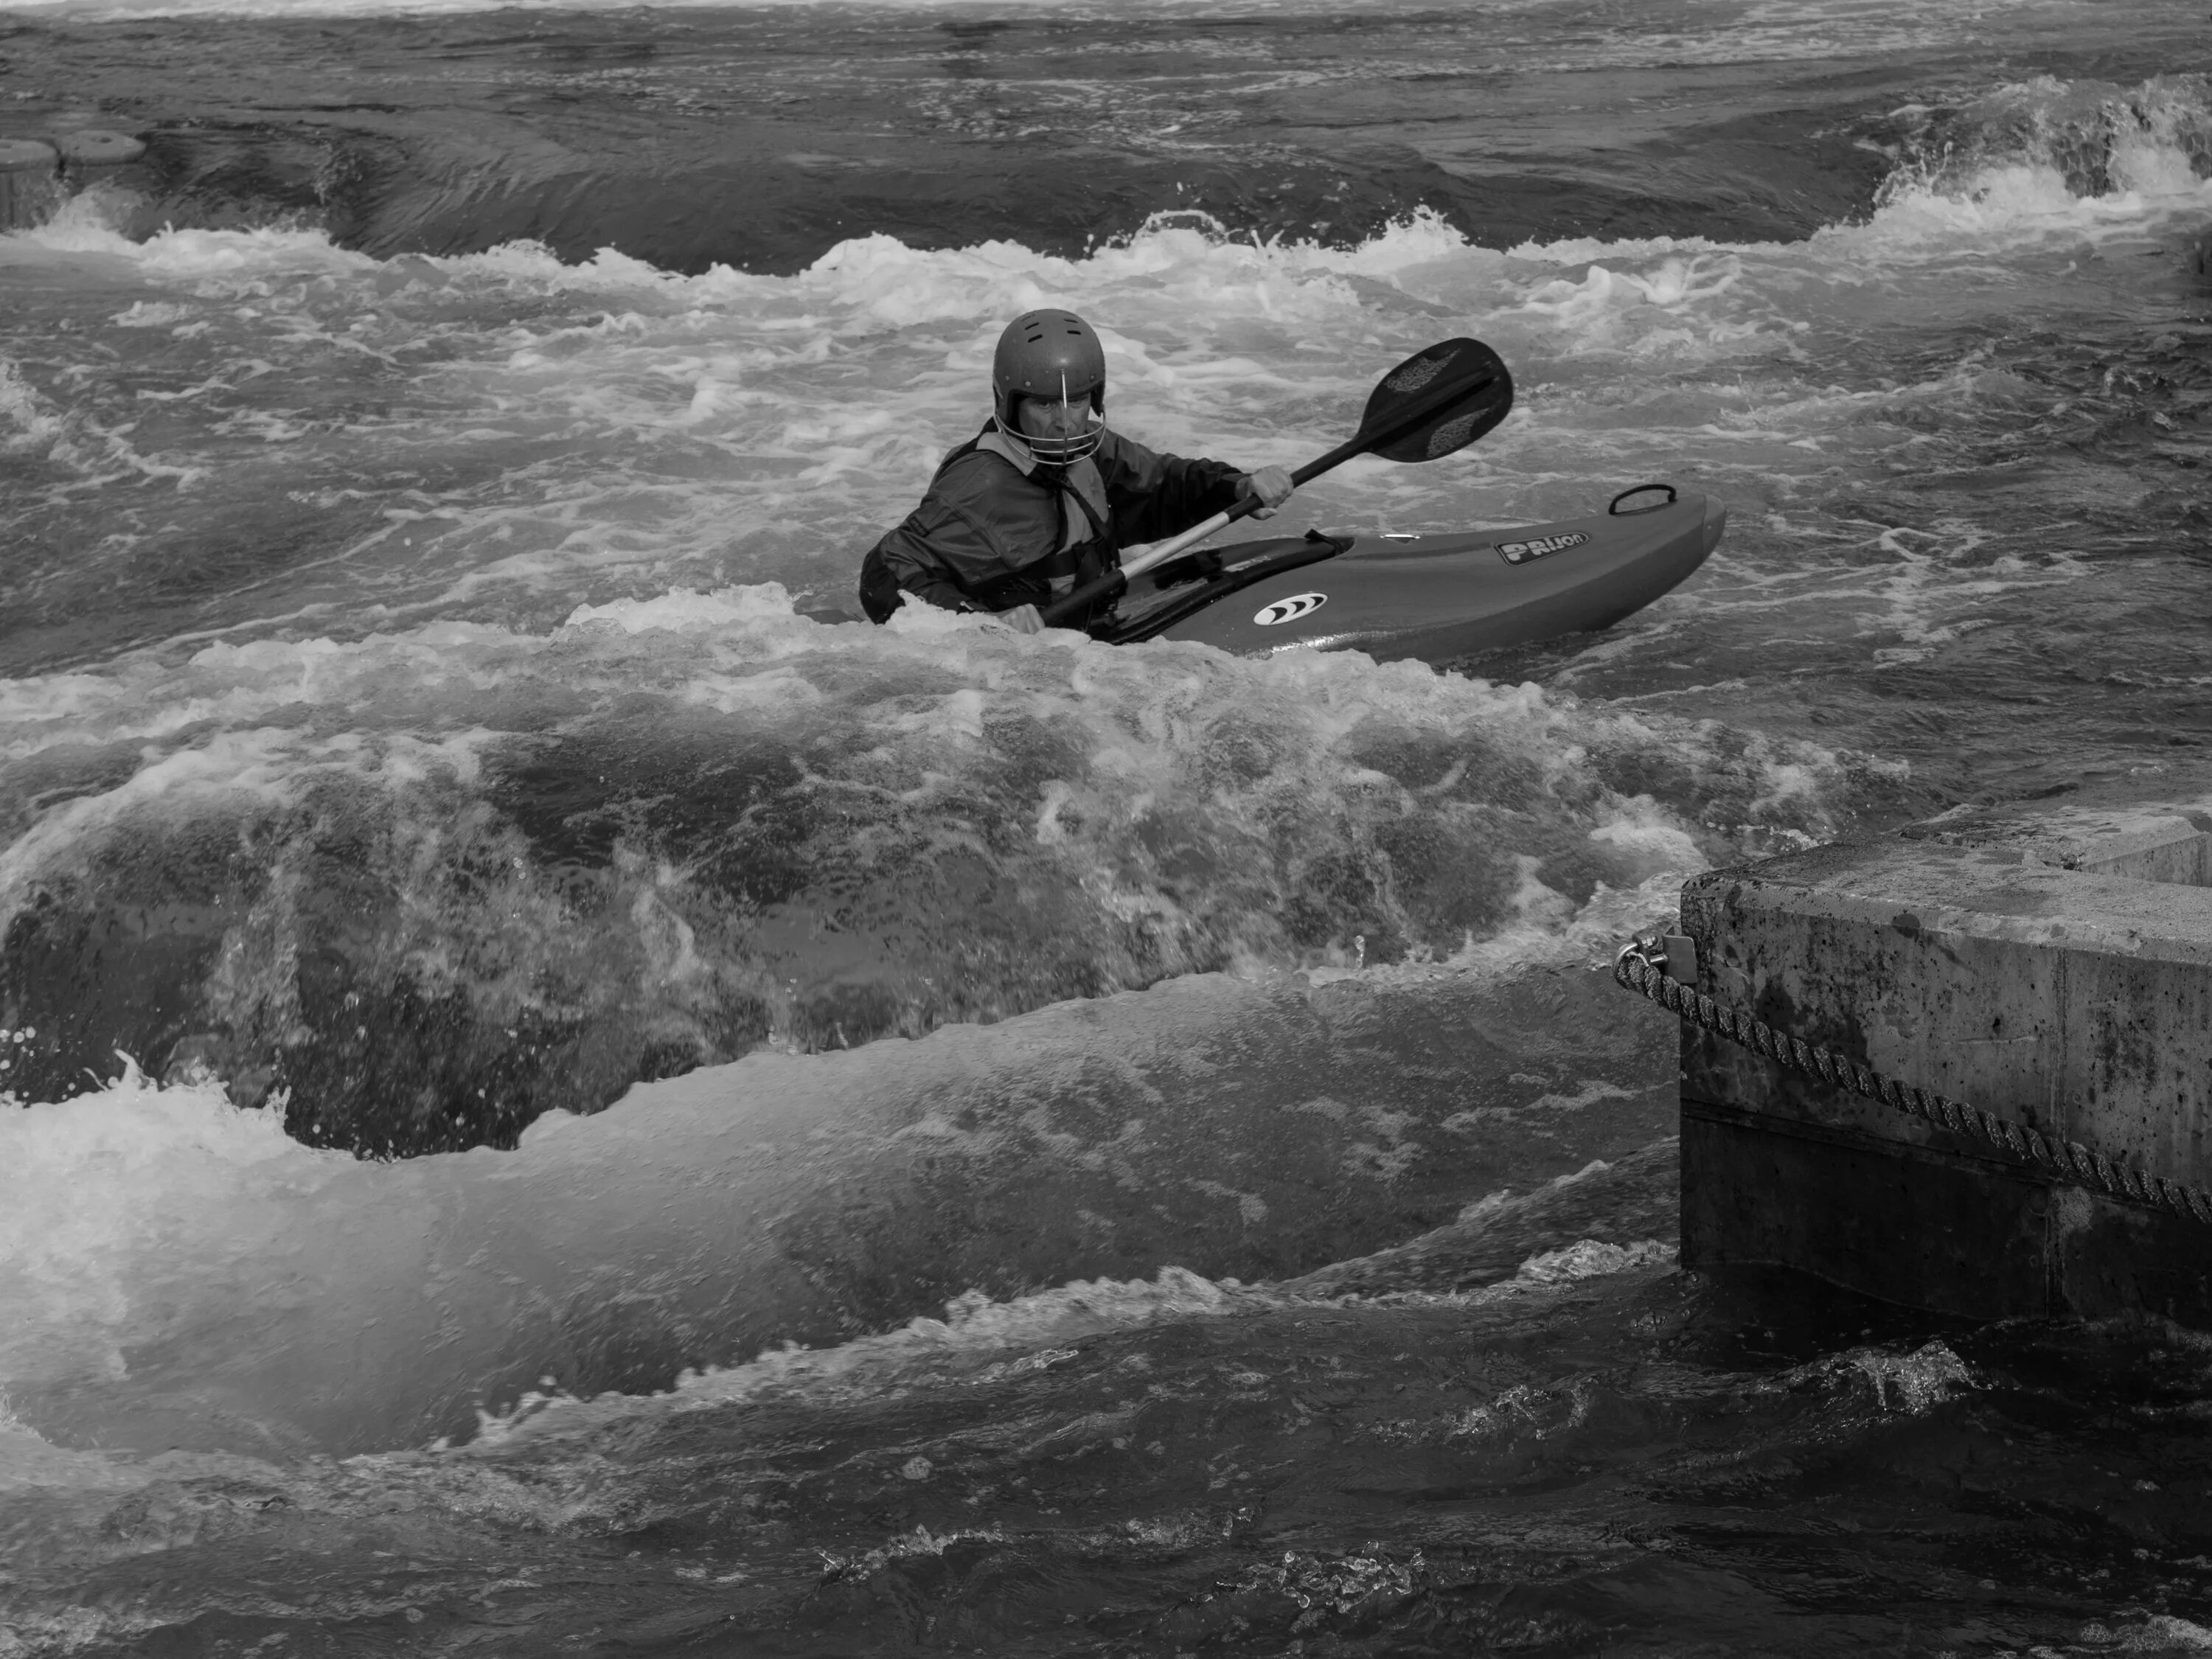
(1614, 507)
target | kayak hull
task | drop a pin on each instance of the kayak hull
(1436, 598)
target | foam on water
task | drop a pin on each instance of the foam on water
(541, 1471)
(142, 1212)
(980, 1341)
(578, 796)
(876, 831)
(699, 419)
(170, 1165)
(1764, 30)
(536, 780)
(184, 1274)
(730, 427)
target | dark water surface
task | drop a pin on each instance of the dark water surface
(762, 139)
(485, 965)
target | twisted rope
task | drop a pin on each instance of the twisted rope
(1640, 967)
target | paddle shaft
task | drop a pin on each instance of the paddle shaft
(1112, 584)
(1161, 552)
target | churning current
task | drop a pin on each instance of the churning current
(564, 1096)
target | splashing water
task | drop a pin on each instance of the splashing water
(430, 730)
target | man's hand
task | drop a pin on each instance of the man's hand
(1272, 485)
(1022, 619)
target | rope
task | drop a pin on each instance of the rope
(1640, 967)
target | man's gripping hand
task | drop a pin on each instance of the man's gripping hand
(1272, 485)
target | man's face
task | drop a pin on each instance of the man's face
(1056, 420)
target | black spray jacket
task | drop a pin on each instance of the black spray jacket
(997, 530)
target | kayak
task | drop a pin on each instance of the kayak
(1434, 597)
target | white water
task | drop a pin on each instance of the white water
(536, 756)
(599, 429)
(709, 443)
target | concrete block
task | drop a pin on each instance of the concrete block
(2054, 968)
(36, 177)
(96, 154)
(30, 182)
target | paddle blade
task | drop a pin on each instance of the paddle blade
(1439, 400)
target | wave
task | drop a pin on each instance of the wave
(1758, 33)
(2101, 140)
(433, 884)
(2008, 170)
(184, 1275)
(531, 775)
(474, 861)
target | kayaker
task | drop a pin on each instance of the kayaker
(1046, 497)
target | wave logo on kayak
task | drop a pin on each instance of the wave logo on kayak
(1289, 609)
(1537, 546)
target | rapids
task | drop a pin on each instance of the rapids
(518, 1015)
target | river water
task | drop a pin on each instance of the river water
(567, 1099)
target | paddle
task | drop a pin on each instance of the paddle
(1440, 399)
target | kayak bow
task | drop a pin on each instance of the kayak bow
(1433, 597)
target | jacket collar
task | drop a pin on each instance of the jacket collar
(1005, 444)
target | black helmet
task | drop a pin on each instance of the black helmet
(1053, 356)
